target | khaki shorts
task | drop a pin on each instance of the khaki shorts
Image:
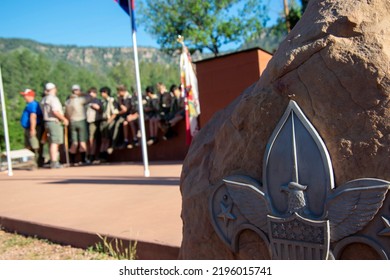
(55, 132)
(78, 131)
(94, 130)
(33, 142)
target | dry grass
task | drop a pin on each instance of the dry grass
(117, 249)
(18, 247)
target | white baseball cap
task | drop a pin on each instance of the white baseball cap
(50, 86)
(76, 87)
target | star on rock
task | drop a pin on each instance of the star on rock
(386, 230)
(226, 214)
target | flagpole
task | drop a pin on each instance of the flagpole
(6, 135)
(139, 93)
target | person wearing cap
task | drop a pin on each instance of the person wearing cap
(32, 121)
(53, 116)
(76, 113)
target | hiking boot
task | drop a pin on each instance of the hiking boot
(103, 156)
(55, 165)
(125, 145)
(41, 162)
(86, 162)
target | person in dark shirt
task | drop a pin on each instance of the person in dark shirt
(32, 122)
(176, 112)
(165, 100)
(152, 112)
(110, 110)
(131, 121)
(124, 106)
(94, 116)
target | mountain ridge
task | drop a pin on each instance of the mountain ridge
(85, 56)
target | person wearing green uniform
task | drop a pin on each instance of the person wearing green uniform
(76, 113)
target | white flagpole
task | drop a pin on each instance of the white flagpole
(6, 135)
(139, 92)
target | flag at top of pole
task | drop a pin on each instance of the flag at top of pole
(125, 4)
(129, 7)
(189, 85)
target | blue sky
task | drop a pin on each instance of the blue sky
(77, 22)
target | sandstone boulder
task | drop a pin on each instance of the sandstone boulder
(335, 64)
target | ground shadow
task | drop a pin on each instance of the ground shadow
(156, 181)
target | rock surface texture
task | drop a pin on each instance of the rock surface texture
(335, 64)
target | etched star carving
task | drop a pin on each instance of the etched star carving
(386, 230)
(226, 214)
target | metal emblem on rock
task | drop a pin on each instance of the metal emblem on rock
(297, 211)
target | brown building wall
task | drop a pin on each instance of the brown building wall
(174, 149)
(222, 79)
(264, 58)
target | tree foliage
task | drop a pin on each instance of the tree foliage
(270, 37)
(295, 14)
(205, 25)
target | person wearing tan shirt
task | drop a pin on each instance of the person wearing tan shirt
(53, 116)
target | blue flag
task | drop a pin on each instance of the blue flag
(129, 10)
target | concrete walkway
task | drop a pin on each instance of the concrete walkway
(72, 205)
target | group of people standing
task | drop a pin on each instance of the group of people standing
(96, 125)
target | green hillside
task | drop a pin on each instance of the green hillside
(29, 64)
(89, 57)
